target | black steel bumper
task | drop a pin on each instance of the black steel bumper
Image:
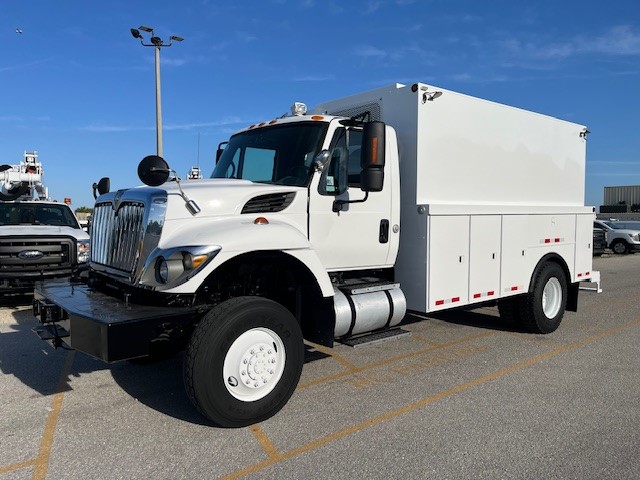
(100, 325)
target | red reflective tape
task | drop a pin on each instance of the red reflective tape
(491, 293)
(477, 295)
(455, 299)
(557, 240)
(579, 275)
(513, 289)
(587, 274)
(547, 240)
(439, 302)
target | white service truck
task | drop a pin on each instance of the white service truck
(331, 225)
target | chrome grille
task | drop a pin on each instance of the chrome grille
(116, 236)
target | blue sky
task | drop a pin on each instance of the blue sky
(76, 86)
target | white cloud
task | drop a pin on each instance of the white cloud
(22, 66)
(167, 127)
(372, 6)
(619, 40)
(173, 62)
(246, 37)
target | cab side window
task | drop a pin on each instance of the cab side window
(346, 145)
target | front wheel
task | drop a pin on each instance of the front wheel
(542, 309)
(620, 247)
(244, 361)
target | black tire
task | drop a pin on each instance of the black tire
(257, 330)
(550, 277)
(620, 247)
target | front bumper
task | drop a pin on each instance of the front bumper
(18, 283)
(100, 325)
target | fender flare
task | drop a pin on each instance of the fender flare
(237, 236)
(572, 288)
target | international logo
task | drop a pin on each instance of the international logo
(117, 200)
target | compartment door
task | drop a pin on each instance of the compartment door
(584, 246)
(448, 274)
(484, 258)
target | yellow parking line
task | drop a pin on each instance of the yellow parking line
(338, 358)
(17, 466)
(42, 460)
(266, 444)
(394, 359)
(421, 338)
(374, 421)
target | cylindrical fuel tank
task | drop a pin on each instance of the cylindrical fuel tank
(366, 312)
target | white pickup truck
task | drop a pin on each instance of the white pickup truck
(39, 239)
(622, 237)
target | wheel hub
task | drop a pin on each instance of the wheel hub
(254, 364)
(552, 298)
(260, 362)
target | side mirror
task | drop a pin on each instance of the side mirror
(153, 170)
(103, 186)
(373, 157)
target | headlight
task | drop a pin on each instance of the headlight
(162, 270)
(635, 237)
(172, 267)
(83, 251)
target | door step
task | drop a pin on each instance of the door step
(375, 337)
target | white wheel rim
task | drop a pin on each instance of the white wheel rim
(552, 298)
(254, 364)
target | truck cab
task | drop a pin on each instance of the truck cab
(338, 205)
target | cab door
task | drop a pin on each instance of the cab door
(358, 234)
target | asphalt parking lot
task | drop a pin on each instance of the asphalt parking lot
(464, 397)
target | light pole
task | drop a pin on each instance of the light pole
(158, 44)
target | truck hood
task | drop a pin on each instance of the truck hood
(43, 230)
(219, 197)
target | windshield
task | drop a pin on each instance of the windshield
(624, 225)
(37, 214)
(280, 154)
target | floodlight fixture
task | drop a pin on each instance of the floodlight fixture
(157, 43)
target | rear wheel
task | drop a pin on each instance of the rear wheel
(543, 307)
(244, 361)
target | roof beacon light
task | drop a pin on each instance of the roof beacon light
(298, 108)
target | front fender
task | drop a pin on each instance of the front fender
(235, 234)
(238, 235)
